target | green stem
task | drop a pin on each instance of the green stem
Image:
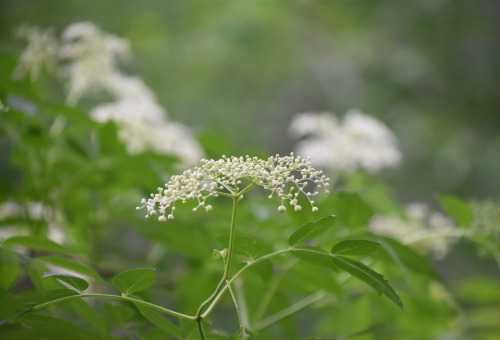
(207, 301)
(235, 305)
(240, 297)
(297, 306)
(260, 259)
(225, 186)
(247, 188)
(271, 289)
(227, 265)
(106, 296)
(200, 328)
(223, 290)
(231, 238)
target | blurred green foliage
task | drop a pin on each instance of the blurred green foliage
(429, 69)
(237, 71)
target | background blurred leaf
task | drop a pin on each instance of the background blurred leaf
(264, 269)
(36, 243)
(460, 211)
(352, 210)
(9, 268)
(71, 265)
(161, 322)
(311, 230)
(244, 245)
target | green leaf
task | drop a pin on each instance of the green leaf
(161, 322)
(71, 265)
(36, 243)
(369, 276)
(89, 314)
(47, 327)
(9, 268)
(457, 209)
(311, 230)
(355, 247)
(352, 210)
(407, 258)
(118, 313)
(74, 281)
(134, 280)
(315, 256)
(236, 336)
(264, 269)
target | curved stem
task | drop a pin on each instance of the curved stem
(223, 290)
(240, 297)
(207, 301)
(108, 296)
(271, 289)
(233, 296)
(301, 304)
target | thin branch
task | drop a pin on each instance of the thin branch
(297, 306)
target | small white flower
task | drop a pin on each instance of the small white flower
(285, 177)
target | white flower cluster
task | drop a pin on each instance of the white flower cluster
(91, 58)
(88, 58)
(429, 230)
(41, 52)
(225, 177)
(359, 141)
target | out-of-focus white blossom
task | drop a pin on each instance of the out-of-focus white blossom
(359, 141)
(3, 107)
(224, 177)
(88, 59)
(33, 211)
(41, 52)
(429, 230)
(142, 122)
(91, 58)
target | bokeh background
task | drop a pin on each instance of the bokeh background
(238, 71)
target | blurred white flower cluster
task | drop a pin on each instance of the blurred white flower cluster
(224, 177)
(41, 52)
(3, 107)
(428, 230)
(359, 141)
(88, 60)
(91, 59)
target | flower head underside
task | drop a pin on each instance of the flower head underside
(286, 177)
